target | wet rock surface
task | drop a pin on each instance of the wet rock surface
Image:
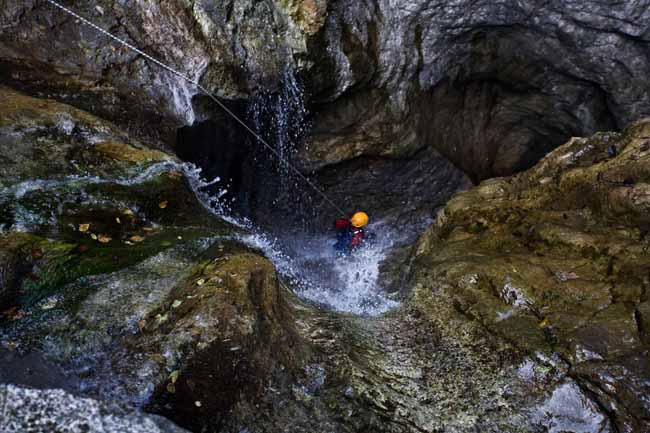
(526, 304)
(555, 259)
(232, 48)
(31, 410)
(134, 293)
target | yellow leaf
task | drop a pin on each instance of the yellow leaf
(93, 236)
(157, 358)
(84, 227)
(200, 282)
(161, 319)
(162, 204)
(174, 376)
(104, 238)
(118, 220)
(136, 238)
(543, 323)
(128, 212)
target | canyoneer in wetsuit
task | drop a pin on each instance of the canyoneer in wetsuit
(350, 233)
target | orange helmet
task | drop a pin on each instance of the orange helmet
(359, 219)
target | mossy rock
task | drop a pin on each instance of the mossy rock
(568, 237)
(45, 139)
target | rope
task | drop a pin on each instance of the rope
(204, 90)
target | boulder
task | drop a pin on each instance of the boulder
(44, 411)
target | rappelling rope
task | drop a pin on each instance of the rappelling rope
(204, 90)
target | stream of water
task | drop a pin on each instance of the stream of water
(307, 261)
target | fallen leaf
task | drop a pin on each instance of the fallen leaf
(128, 212)
(84, 227)
(174, 376)
(176, 303)
(162, 204)
(12, 345)
(93, 236)
(157, 358)
(543, 323)
(147, 229)
(142, 324)
(200, 282)
(104, 238)
(136, 238)
(118, 220)
(198, 403)
(48, 305)
(161, 318)
(128, 242)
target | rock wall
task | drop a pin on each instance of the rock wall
(231, 47)
(556, 260)
(493, 85)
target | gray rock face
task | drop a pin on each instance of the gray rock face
(492, 85)
(46, 411)
(232, 47)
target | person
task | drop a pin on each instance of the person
(350, 233)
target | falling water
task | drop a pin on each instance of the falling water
(308, 260)
(282, 119)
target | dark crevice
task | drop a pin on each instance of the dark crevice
(218, 146)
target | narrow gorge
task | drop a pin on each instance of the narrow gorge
(166, 216)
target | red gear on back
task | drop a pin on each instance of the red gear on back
(342, 223)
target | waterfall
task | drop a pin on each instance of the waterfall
(282, 119)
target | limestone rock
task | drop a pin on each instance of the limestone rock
(43, 411)
(491, 85)
(554, 260)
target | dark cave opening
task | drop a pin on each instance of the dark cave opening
(504, 106)
(221, 148)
